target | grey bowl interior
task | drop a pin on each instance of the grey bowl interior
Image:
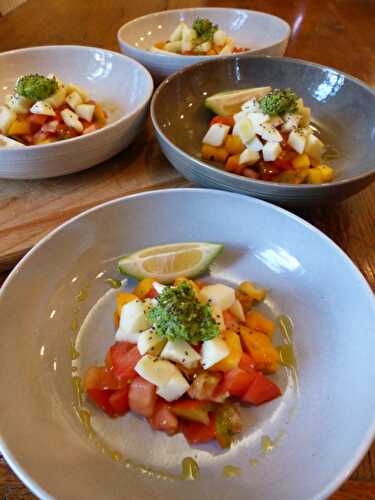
(342, 107)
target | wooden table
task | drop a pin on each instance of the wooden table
(339, 33)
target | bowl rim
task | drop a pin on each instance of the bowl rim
(256, 182)
(197, 58)
(368, 437)
(80, 138)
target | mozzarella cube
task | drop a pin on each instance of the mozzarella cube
(204, 47)
(257, 119)
(156, 371)
(220, 295)
(246, 130)
(297, 141)
(86, 111)
(249, 157)
(229, 42)
(180, 352)
(7, 117)
(73, 100)
(72, 87)
(236, 129)
(17, 103)
(216, 134)
(275, 121)
(237, 310)
(217, 315)
(213, 351)
(255, 145)
(225, 51)
(314, 147)
(305, 116)
(174, 47)
(186, 45)
(270, 133)
(271, 151)
(71, 119)
(291, 121)
(219, 37)
(237, 117)
(251, 106)
(133, 321)
(177, 33)
(149, 341)
(42, 108)
(188, 34)
(174, 389)
(58, 98)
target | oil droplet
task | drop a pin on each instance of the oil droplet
(85, 418)
(113, 283)
(267, 444)
(231, 471)
(287, 356)
(286, 327)
(74, 325)
(190, 469)
(253, 462)
(74, 354)
(77, 387)
(82, 295)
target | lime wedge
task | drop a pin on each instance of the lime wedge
(166, 262)
(228, 103)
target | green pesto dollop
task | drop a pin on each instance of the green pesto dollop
(277, 102)
(179, 315)
(204, 28)
(36, 87)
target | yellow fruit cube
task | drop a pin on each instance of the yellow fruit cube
(314, 176)
(256, 321)
(233, 144)
(20, 127)
(260, 347)
(214, 154)
(301, 161)
(233, 341)
(143, 287)
(327, 172)
(123, 298)
(253, 292)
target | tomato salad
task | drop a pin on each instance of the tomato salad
(185, 357)
(43, 110)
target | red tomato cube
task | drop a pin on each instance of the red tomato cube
(261, 390)
(142, 397)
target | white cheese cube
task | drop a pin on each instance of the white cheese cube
(186, 45)
(149, 341)
(291, 121)
(237, 310)
(156, 371)
(297, 141)
(86, 111)
(236, 129)
(249, 157)
(216, 134)
(73, 100)
(158, 287)
(71, 119)
(219, 37)
(271, 151)
(188, 34)
(305, 116)
(220, 295)
(246, 130)
(237, 117)
(174, 389)
(213, 351)
(217, 315)
(72, 87)
(7, 117)
(174, 47)
(177, 33)
(225, 51)
(314, 147)
(180, 352)
(255, 145)
(58, 98)
(251, 106)
(17, 103)
(133, 321)
(270, 133)
(275, 121)
(257, 119)
(42, 108)
(204, 47)
(229, 42)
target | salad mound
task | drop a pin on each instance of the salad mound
(185, 356)
(265, 134)
(203, 39)
(44, 109)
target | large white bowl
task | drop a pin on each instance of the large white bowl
(120, 83)
(262, 33)
(327, 422)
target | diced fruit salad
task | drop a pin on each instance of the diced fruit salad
(44, 109)
(265, 134)
(203, 39)
(185, 356)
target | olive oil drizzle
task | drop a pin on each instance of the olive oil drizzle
(231, 471)
(190, 469)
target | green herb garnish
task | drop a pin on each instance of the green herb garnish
(278, 102)
(36, 87)
(180, 315)
(204, 28)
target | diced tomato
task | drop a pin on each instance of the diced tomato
(124, 357)
(196, 433)
(193, 410)
(38, 119)
(261, 390)
(50, 126)
(152, 294)
(101, 399)
(163, 419)
(231, 322)
(224, 120)
(90, 128)
(204, 386)
(40, 136)
(119, 400)
(247, 363)
(28, 138)
(282, 164)
(98, 377)
(237, 381)
(142, 397)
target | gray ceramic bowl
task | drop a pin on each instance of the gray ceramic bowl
(342, 107)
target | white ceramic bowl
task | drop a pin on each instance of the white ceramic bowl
(326, 423)
(262, 33)
(120, 83)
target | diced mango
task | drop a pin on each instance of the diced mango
(100, 116)
(315, 176)
(327, 172)
(233, 341)
(253, 292)
(123, 298)
(19, 127)
(214, 154)
(143, 288)
(301, 161)
(259, 346)
(246, 300)
(256, 321)
(233, 164)
(116, 319)
(233, 144)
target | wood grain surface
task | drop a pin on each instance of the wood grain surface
(337, 33)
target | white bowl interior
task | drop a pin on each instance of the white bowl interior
(308, 277)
